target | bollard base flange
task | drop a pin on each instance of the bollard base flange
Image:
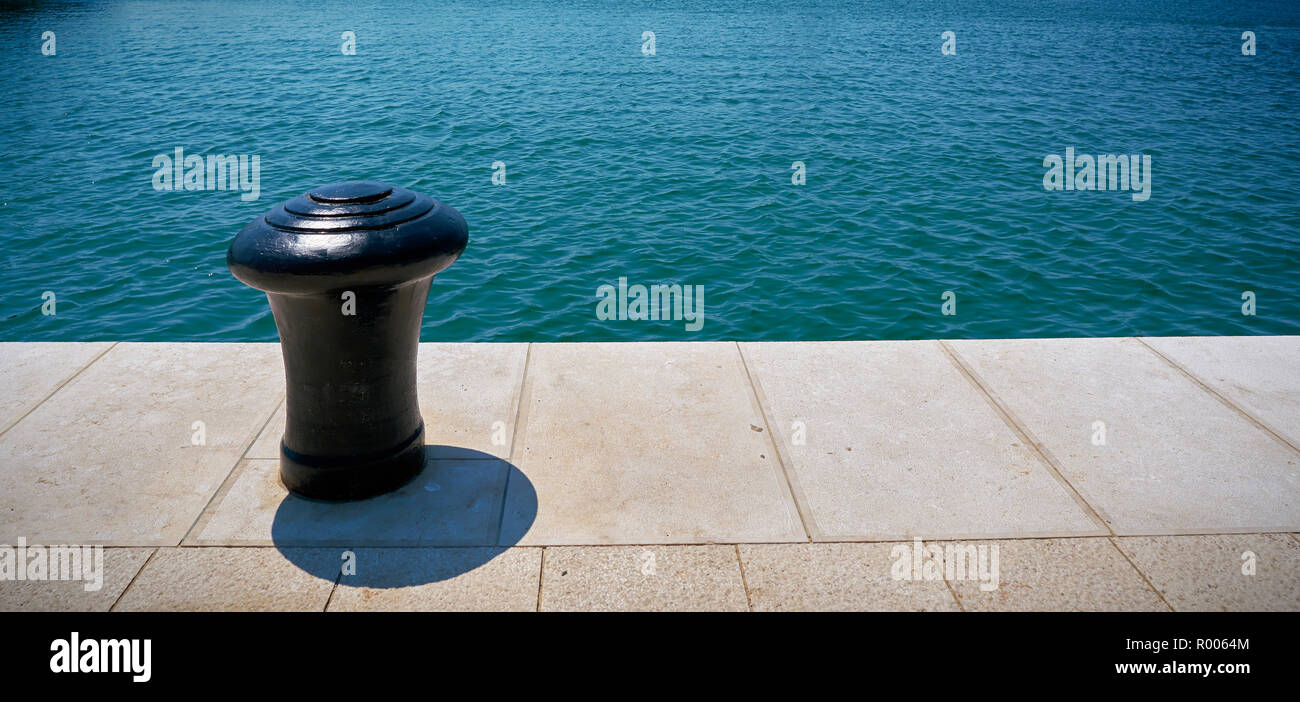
(339, 479)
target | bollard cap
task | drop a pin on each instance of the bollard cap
(354, 234)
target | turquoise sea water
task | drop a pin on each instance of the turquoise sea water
(924, 171)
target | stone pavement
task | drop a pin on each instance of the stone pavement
(1093, 474)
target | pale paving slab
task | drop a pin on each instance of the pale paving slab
(31, 371)
(642, 578)
(453, 502)
(110, 457)
(1175, 458)
(230, 580)
(441, 580)
(469, 397)
(1260, 374)
(1204, 573)
(836, 577)
(119, 566)
(1076, 575)
(889, 440)
(267, 444)
(646, 443)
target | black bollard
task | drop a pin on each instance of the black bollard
(346, 268)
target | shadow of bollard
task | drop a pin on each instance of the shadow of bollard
(470, 505)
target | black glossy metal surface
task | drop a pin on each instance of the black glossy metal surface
(354, 428)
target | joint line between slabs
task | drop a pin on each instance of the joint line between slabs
(337, 577)
(1023, 432)
(135, 577)
(59, 387)
(541, 573)
(806, 521)
(744, 583)
(517, 430)
(1219, 396)
(953, 592)
(1114, 542)
(227, 482)
(521, 411)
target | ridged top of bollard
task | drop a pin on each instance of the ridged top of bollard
(342, 235)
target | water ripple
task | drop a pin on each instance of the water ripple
(924, 171)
